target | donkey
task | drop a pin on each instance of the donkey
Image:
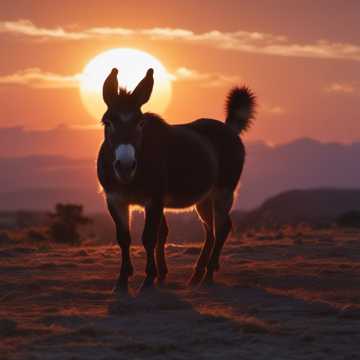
(147, 162)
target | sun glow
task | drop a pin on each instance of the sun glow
(132, 65)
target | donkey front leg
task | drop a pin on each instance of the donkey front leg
(153, 218)
(120, 213)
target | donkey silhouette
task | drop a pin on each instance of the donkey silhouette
(145, 161)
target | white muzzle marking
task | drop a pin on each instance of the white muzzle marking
(125, 153)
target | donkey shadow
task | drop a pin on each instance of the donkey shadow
(149, 300)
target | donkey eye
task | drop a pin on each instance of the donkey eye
(141, 124)
(109, 125)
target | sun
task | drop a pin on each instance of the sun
(132, 65)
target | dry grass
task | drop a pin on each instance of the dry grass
(277, 298)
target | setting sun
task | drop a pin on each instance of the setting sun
(132, 65)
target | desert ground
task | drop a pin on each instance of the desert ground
(278, 296)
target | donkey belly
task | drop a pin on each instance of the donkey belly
(192, 169)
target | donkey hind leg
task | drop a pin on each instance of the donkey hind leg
(205, 213)
(162, 269)
(119, 211)
(223, 200)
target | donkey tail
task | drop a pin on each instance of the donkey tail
(240, 108)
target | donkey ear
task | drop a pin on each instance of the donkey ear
(143, 91)
(110, 87)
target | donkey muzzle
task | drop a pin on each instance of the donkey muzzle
(125, 163)
(124, 172)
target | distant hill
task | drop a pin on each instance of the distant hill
(45, 198)
(302, 164)
(39, 182)
(316, 206)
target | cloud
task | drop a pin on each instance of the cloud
(275, 110)
(34, 77)
(27, 28)
(271, 109)
(337, 87)
(184, 74)
(242, 41)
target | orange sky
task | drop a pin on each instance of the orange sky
(301, 58)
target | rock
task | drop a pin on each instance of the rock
(36, 236)
(298, 241)
(350, 312)
(5, 238)
(308, 338)
(262, 237)
(320, 308)
(279, 235)
(7, 327)
(81, 253)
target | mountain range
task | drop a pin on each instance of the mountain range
(37, 182)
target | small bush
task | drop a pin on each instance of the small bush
(5, 238)
(66, 222)
(349, 219)
(36, 236)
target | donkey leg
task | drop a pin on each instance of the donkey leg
(223, 200)
(119, 211)
(162, 269)
(153, 218)
(205, 213)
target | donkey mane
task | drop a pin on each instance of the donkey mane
(124, 93)
(152, 116)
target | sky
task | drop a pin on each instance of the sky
(301, 58)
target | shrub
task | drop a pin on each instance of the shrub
(349, 219)
(67, 219)
(5, 238)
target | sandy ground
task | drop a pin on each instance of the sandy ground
(293, 298)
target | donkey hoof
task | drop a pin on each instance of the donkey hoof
(161, 281)
(121, 286)
(120, 290)
(147, 284)
(195, 279)
(208, 280)
(208, 283)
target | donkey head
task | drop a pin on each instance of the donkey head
(124, 122)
